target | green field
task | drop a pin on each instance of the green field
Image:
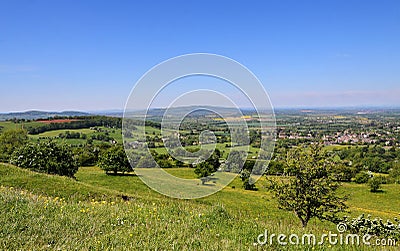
(7, 125)
(55, 133)
(51, 212)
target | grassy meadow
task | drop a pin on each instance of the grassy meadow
(100, 212)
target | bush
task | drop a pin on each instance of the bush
(46, 157)
(247, 181)
(376, 227)
(383, 179)
(375, 184)
(361, 178)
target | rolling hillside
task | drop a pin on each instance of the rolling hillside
(97, 211)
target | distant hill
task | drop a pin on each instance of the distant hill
(184, 110)
(31, 115)
(201, 111)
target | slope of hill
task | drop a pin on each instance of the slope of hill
(90, 213)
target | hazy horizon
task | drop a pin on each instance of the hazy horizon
(243, 108)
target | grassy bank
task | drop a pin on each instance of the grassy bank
(89, 213)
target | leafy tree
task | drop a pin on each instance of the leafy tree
(310, 191)
(395, 172)
(207, 167)
(214, 159)
(204, 169)
(248, 183)
(179, 163)
(114, 160)
(87, 155)
(343, 172)
(246, 179)
(46, 157)
(10, 140)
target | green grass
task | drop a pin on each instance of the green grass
(221, 146)
(339, 147)
(55, 133)
(51, 185)
(8, 125)
(51, 212)
(113, 133)
(384, 204)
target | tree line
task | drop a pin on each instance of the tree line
(80, 123)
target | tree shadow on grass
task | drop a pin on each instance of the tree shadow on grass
(205, 180)
(378, 191)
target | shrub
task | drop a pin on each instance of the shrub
(248, 183)
(46, 157)
(376, 227)
(361, 178)
(383, 179)
(375, 184)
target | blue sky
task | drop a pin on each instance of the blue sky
(87, 55)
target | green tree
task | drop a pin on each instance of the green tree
(310, 190)
(46, 157)
(114, 160)
(395, 172)
(245, 176)
(343, 172)
(87, 155)
(207, 167)
(247, 181)
(10, 140)
(204, 169)
(375, 184)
